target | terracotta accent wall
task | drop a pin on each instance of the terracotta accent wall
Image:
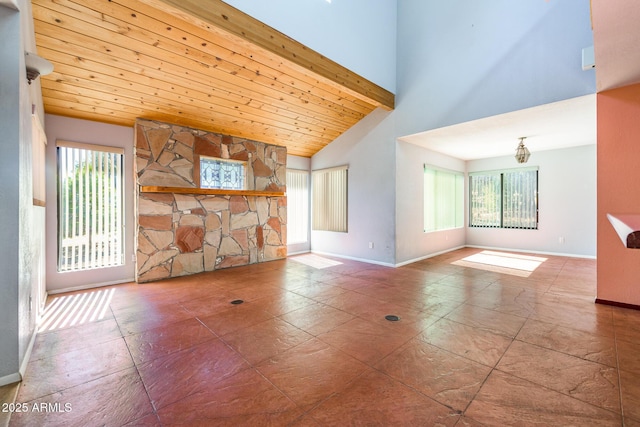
(181, 234)
(618, 192)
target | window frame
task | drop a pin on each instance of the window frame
(116, 197)
(198, 173)
(304, 207)
(500, 174)
(458, 199)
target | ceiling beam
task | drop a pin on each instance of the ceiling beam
(233, 21)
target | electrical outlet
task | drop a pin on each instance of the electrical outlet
(370, 245)
(561, 240)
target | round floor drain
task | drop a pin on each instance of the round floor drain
(392, 318)
(237, 301)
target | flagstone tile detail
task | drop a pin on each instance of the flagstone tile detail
(155, 222)
(181, 234)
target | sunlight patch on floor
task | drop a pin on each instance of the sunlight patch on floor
(501, 262)
(315, 261)
(76, 309)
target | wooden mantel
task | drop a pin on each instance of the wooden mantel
(209, 191)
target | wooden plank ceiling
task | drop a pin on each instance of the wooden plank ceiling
(197, 63)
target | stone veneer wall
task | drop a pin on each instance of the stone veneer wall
(181, 234)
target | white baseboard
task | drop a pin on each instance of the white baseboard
(298, 253)
(532, 252)
(368, 261)
(90, 286)
(27, 354)
(18, 376)
(10, 379)
(411, 261)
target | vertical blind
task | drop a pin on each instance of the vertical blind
(519, 199)
(297, 206)
(329, 194)
(506, 199)
(485, 200)
(90, 206)
(443, 199)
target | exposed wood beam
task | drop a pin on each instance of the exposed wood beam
(229, 19)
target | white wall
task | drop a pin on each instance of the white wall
(567, 204)
(461, 60)
(412, 243)
(21, 222)
(457, 61)
(358, 34)
(369, 149)
(9, 197)
(89, 132)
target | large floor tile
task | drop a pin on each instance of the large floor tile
(627, 324)
(588, 381)
(49, 375)
(283, 303)
(585, 345)
(235, 317)
(113, 400)
(159, 342)
(136, 321)
(317, 319)
(630, 392)
(205, 306)
(319, 291)
(180, 374)
(59, 341)
(628, 355)
(488, 320)
(367, 341)
(244, 399)
(589, 317)
(265, 339)
(395, 404)
(311, 372)
(445, 377)
(505, 400)
(472, 343)
(506, 299)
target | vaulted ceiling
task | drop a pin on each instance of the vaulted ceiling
(196, 63)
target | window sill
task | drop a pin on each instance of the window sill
(209, 191)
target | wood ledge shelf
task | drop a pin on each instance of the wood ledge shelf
(628, 229)
(209, 191)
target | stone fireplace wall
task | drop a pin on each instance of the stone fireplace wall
(182, 233)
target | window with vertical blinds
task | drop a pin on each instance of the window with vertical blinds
(443, 199)
(329, 199)
(90, 206)
(504, 199)
(297, 206)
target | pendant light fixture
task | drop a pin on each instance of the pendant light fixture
(522, 153)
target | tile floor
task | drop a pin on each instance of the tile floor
(478, 342)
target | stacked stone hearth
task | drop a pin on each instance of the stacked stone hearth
(181, 234)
